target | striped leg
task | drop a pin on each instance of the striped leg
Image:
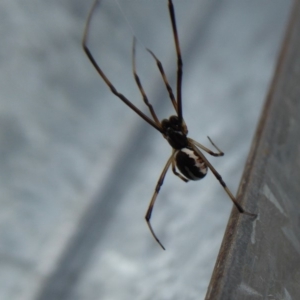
(219, 177)
(152, 202)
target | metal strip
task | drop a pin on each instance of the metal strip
(260, 259)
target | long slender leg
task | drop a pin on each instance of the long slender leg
(179, 59)
(152, 202)
(139, 84)
(220, 153)
(163, 74)
(218, 176)
(103, 76)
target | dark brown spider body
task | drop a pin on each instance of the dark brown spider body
(186, 154)
(190, 164)
(175, 132)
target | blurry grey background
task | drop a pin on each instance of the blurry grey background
(78, 168)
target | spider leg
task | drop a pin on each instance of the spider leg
(152, 202)
(220, 153)
(179, 59)
(139, 84)
(103, 76)
(163, 74)
(219, 177)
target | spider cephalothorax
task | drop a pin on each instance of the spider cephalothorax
(175, 132)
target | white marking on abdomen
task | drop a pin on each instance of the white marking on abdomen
(199, 163)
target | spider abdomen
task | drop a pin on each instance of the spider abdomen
(190, 164)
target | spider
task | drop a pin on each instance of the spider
(186, 154)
